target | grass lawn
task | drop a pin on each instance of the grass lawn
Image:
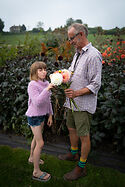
(16, 172)
(15, 39)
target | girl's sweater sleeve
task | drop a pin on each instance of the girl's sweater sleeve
(36, 97)
(50, 108)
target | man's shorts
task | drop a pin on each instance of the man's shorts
(35, 120)
(79, 120)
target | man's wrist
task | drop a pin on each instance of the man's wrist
(81, 92)
(76, 93)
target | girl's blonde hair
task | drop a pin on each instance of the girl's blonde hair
(33, 69)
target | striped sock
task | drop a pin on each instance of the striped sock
(74, 150)
(82, 163)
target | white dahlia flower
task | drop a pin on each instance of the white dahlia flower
(56, 79)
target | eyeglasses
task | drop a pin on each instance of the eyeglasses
(72, 38)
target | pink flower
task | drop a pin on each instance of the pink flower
(66, 75)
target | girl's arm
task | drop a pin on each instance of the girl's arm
(36, 97)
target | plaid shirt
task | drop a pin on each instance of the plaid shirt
(87, 74)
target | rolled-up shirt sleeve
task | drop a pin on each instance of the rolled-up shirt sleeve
(94, 74)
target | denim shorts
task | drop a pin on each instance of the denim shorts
(35, 120)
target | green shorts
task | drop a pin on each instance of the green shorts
(79, 121)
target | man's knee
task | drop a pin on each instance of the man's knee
(85, 138)
(72, 131)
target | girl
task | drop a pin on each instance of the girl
(39, 105)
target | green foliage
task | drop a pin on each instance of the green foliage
(30, 47)
(70, 21)
(110, 116)
(99, 30)
(23, 28)
(14, 97)
(1, 25)
(15, 171)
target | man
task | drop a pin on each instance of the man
(86, 81)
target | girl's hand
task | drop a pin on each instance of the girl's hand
(50, 121)
(50, 86)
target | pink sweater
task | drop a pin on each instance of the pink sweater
(39, 99)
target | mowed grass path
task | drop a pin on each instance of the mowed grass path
(16, 172)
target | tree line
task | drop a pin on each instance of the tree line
(95, 30)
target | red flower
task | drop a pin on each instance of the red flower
(123, 56)
(103, 62)
(104, 54)
(109, 54)
(118, 43)
(118, 57)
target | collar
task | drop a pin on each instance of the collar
(84, 49)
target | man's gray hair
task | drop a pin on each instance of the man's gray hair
(79, 28)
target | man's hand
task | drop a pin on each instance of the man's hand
(70, 93)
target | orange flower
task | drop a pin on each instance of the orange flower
(123, 56)
(103, 62)
(43, 47)
(104, 54)
(123, 42)
(118, 43)
(65, 74)
(109, 49)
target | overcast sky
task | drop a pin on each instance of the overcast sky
(54, 13)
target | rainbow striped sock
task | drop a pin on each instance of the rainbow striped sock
(74, 150)
(82, 162)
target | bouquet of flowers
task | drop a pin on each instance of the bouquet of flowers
(62, 78)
